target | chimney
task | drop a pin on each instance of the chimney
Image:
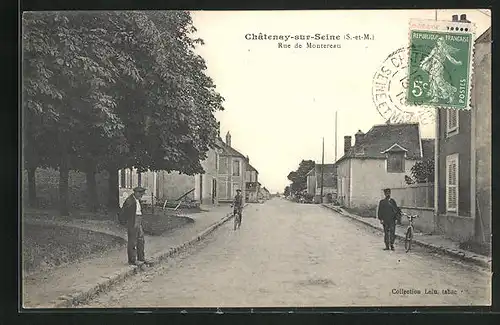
(347, 143)
(358, 136)
(228, 138)
(248, 159)
(454, 18)
(463, 18)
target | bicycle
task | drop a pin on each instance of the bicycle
(409, 231)
(237, 218)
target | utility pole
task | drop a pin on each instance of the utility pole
(335, 136)
(322, 168)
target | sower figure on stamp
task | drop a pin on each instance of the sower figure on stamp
(388, 212)
(131, 216)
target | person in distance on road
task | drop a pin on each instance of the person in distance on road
(238, 204)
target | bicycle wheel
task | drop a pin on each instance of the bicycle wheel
(408, 239)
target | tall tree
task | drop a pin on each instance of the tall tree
(119, 90)
(298, 177)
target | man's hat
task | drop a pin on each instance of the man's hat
(139, 189)
(238, 190)
(387, 190)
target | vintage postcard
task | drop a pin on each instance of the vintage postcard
(251, 159)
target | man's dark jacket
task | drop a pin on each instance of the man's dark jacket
(388, 210)
(238, 201)
(127, 213)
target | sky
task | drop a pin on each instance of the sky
(281, 102)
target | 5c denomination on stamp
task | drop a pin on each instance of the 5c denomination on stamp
(442, 76)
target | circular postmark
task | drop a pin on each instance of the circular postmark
(390, 85)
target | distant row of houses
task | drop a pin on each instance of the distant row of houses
(458, 202)
(381, 157)
(226, 170)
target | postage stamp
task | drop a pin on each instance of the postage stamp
(441, 55)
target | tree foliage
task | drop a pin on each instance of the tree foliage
(286, 191)
(108, 90)
(421, 172)
(298, 177)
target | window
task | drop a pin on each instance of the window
(130, 178)
(139, 179)
(451, 122)
(452, 183)
(396, 162)
(223, 167)
(216, 162)
(236, 167)
(222, 189)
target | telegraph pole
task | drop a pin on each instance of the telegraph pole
(322, 168)
(335, 136)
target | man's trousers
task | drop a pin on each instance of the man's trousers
(389, 233)
(135, 245)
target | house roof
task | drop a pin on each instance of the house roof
(484, 37)
(395, 148)
(251, 168)
(383, 137)
(228, 150)
(428, 148)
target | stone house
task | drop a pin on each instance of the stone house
(232, 169)
(379, 159)
(264, 194)
(252, 185)
(206, 185)
(463, 178)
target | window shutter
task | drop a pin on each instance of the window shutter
(452, 183)
(452, 119)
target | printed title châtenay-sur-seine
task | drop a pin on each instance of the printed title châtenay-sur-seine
(307, 37)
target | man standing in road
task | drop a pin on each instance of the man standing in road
(131, 216)
(387, 213)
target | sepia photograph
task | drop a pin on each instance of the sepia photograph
(255, 159)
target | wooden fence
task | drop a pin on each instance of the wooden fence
(414, 196)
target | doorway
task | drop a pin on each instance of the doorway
(214, 190)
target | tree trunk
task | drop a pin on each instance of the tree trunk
(113, 192)
(32, 187)
(64, 179)
(93, 201)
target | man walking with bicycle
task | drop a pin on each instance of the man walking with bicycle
(388, 212)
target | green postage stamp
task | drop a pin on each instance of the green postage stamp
(440, 69)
